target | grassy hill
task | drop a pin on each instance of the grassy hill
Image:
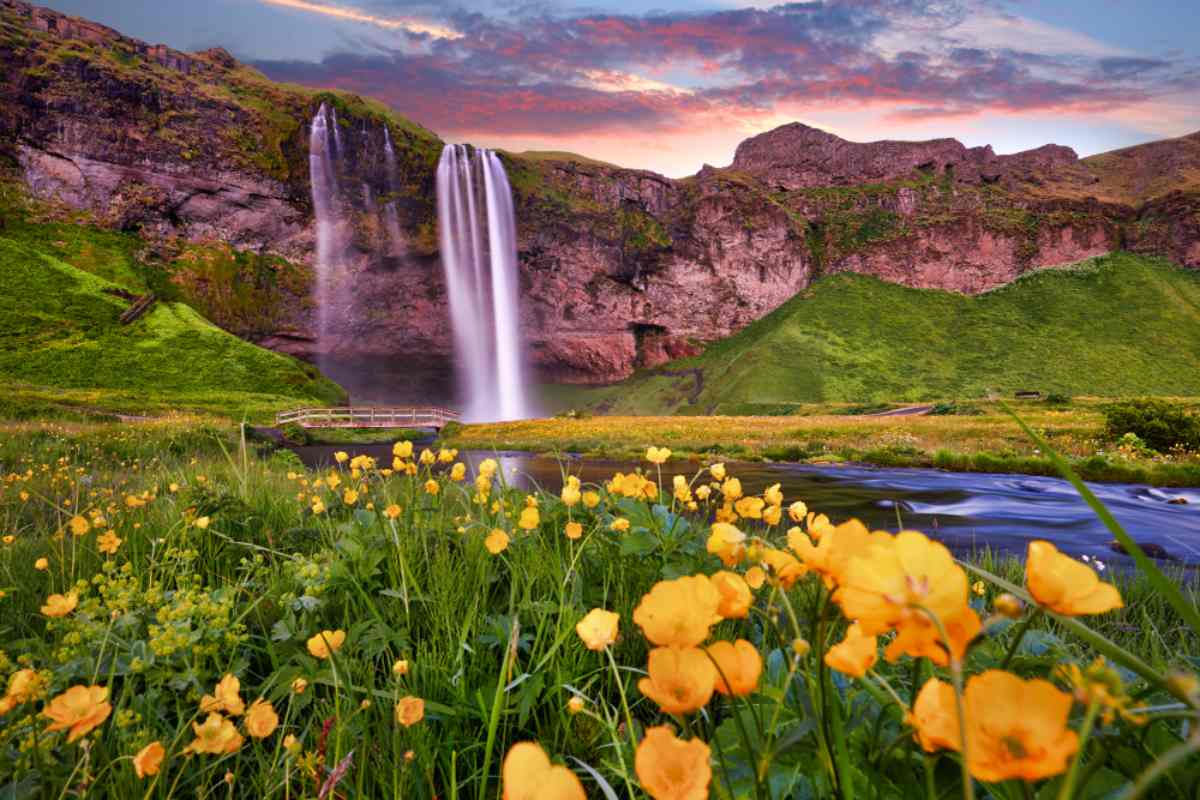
(59, 330)
(1118, 325)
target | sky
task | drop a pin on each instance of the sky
(670, 85)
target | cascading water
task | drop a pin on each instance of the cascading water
(323, 176)
(474, 203)
(391, 217)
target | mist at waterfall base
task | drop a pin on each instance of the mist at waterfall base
(479, 262)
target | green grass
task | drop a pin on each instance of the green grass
(59, 329)
(490, 639)
(1113, 326)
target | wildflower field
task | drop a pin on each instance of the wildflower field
(183, 616)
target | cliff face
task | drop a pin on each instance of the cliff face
(619, 268)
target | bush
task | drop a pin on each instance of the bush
(295, 434)
(1159, 424)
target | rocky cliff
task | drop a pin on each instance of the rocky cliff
(620, 268)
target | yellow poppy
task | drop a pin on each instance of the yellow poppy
(261, 719)
(855, 654)
(225, 698)
(1017, 729)
(78, 710)
(679, 612)
(529, 519)
(738, 667)
(496, 542)
(573, 530)
(598, 629)
(681, 680)
(1066, 586)
(215, 736)
(149, 759)
(326, 642)
(410, 710)
(672, 769)
(736, 597)
(527, 774)
(59, 605)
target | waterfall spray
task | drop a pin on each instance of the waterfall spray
(324, 193)
(474, 203)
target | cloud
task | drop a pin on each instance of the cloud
(538, 73)
(349, 14)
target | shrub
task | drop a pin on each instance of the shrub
(1159, 424)
(295, 434)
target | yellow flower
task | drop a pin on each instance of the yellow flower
(755, 577)
(726, 542)
(834, 549)
(529, 518)
(8, 539)
(773, 495)
(1100, 684)
(402, 450)
(620, 525)
(1008, 605)
(410, 710)
(458, 471)
(215, 736)
(42, 564)
(261, 719)
(225, 697)
(78, 710)
(591, 499)
(703, 492)
(1017, 728)
(574, 530)
(326, 642)
(570, 495)
(488, 467)
(427, 457)
(400, 668)
(717, 471)
(797, 511)
(174, 487)
(658, 455)
(350, 497)
(299, 685)
(731, 489)
(575, 704)
(149, 759)
(772, 514)
(1066, 586)
(497, 541)
(80, 525)
(749, 507)
(672, 769)
(392, 511)
(445, 456)
(855, 654)
(59, 605)
(736, 597)
(317, 506)
(786, 569)
(202, 523)
(528, 775)
(598, 629)
(738, 666)
(432, 486)
(935, 717)
(978, 589)
(23, 685)
(291, 744)
(679, 612)
(108, 543)
(340, 456)
(681, 680)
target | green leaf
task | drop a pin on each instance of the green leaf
(638, 542)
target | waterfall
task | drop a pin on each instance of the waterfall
(474, 204)
(391, 216)
(324, 194)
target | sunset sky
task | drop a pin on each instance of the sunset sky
(679, 86)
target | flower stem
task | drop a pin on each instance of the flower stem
(1021, 629)
(1085, 731)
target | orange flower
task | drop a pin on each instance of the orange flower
(1066, 586)
(1017, 728)
(496, 542)
(59, 605)
(261, 719)
(149, 759)
(23, 685)
(834, 548)
(738, 666)
(658, 455)
(681, 680)
(79, 709)
(726, 542)
(410, 710)
(528, 775)
(736, 597)
(574, 530)
(326, 642)
(855, 654)
(784, 566)
(215, 736)
(749, 507)
(529, 519)
(108, 543)
(755, 577)
(598, 629)
(919, 636)
(80, 525)
(672, 769)
(935, 717)
(680, 612)
(887, 585)
(224, 698)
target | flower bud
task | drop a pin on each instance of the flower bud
(1008, 605)
(801, 647)
(575, 704)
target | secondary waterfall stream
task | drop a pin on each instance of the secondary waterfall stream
(478, 243)
(323, 176)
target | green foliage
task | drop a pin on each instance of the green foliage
(1160, 424)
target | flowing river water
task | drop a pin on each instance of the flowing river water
(967, 511)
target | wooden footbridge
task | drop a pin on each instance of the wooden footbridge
(368, 417)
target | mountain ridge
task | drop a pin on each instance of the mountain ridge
(613, 261)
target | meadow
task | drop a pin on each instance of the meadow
(184, 615)
(973, 437)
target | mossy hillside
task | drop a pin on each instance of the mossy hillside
(58, 328)
(1119, 325)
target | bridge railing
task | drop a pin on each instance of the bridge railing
(368, 417)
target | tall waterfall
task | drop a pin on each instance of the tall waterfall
(391, 217)
(323, 176)
(479, 255)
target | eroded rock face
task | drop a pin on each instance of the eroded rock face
(619, 269)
